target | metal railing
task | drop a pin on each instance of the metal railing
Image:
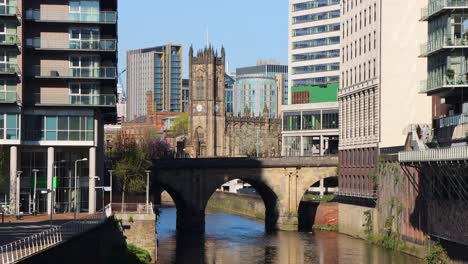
(9, 10)
(436, 6)
(446, 42)
(357, 193)
(132, 208)
(442, 154)
(452, 121)
(105, 17)
(23, 248)
(101, 44)
(66, 72)
(8, 97)
(104, 100)
(8, 68)
(8, 39)
(443, 82)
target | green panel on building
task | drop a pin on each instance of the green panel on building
(319, 94)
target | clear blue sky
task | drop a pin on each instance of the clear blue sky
(249, 29)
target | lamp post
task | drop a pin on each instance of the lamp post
(35, 171)
(147, 189)
(111, 174)
(75, 196)
(18, 189)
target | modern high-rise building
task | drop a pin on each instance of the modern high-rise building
(157, 69)
(380, 79)
(185, 94)
(58, 87)
(259, 88)
(310, 120)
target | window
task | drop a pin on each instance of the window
(375, 40)
(375, 69)
(370, 15)
(84, 38)
(370, 42)
(7, 91)
(365, 17)
(59, 128)
(11, 126)
(291, 121)
(311, 121)
(84, 93)
(84, 66)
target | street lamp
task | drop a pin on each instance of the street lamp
(52, 198)
(35, 171)
(110, 199)
(75, 196)
(18, 189)
(147, 189)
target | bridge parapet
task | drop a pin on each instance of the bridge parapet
(296, 162)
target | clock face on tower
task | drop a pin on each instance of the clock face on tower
(199, 108)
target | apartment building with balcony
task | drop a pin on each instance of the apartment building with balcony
(380, 77)
(447, 73)
(157, 69)
(310, 119)
(58, 88)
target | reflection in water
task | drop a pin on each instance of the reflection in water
(233, 239)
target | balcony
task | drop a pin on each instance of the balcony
(93, 100)
(7, 68)
(437, 6)
(51, 72)
(452, 121)
(9, 11)
(83, 45)
(109, 17)
(435, 155)
(8, 97)
(457, 81)
(445, 43)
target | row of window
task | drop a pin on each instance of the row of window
(348, 5)
(365, 45)
(359, 115)
(316, 81)
(316, 55)
(316, 42)
(316, 17)
(59, 128)
(348, 29)
(314, 4)
(295, 121)
(316, 29)
(316, 68)
(364, 72)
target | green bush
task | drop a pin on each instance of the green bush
(142, 255)
(436, 255)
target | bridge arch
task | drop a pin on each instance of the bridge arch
(280, 182)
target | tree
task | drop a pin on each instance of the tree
(130, 165)
(157, 149)
(180, 125)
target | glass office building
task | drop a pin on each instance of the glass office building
(157, 69)
(310, 120)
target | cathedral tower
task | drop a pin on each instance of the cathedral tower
(207, 102)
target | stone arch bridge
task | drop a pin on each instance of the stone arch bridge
(281, 182)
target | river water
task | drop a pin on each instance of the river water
(233, 239)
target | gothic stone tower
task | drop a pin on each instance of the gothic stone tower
(207, 105)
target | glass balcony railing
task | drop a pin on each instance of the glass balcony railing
(447, 42)
(8, 96)
(8, 39)
(96, 100)
(452, 121)
(8, 68)
(444, 82)
(435, 6)
(102, 44)
(107, 17)
(66, 72)
(9, 10)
